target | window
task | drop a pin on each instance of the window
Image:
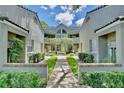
(63, 31)
(31, 46)
(41, 47)
(59, 31)
(90, 43)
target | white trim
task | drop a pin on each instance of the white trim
(12, 25)
(109, 26)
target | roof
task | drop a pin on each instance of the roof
(32, 12)
(100, 7)
(121, 18)
(71, 30)
(7, 19)
(26, 9)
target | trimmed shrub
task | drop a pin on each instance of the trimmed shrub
(36, 58)
(51, 62)
(86, 58)
(73, 64)
(21, 80)
(103, 79)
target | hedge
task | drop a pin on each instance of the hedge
(73, 64)
(51, 62)
(21, 80)
(86, 58)
(103, 79)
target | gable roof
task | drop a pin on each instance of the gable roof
(35, 13)
(100, 7)
(26, 9)
(121, 18)
(7, 19)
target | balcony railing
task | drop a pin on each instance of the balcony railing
(75, 40)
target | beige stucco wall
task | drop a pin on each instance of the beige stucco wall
(98, 19)
(25, 19)
(4, 28)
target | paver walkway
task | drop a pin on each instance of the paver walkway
(62, 76)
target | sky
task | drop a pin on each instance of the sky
(56, 14)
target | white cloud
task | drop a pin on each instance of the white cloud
(65, 18)
(70, 8)
(64, 8)
(43, 7)
(52, 13)
(80, 22)
(52, 6)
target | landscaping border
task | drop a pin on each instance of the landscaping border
(40, 68)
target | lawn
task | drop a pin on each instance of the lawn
(51, 62)
(73, 64)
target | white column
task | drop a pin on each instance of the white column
(26, 50)
(119, 45)
(3, 43)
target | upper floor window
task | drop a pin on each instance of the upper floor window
(63, 31)
(59, 31)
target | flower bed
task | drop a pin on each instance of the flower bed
(103, 79)
(21, 80)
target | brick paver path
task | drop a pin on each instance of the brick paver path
(62, 76)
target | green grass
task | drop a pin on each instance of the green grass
(51, 64)
(103, 79)
(21, 80)
(73, 64)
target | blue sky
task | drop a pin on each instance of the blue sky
(54, 15)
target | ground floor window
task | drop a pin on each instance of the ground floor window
(16, 48)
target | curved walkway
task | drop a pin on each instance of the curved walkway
(62, 76)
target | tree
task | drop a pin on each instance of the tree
(44, 24)
(16, 48)
(64, 42)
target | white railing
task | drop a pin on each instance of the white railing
(75, 40)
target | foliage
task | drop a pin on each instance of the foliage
(71, 54)
(51, 62)
(36, 57)
(21, 80)
(103, 79)
(65, 42)
(16, 49)
(51, 53)
(73, 64)
(44, 24)
(85, 57)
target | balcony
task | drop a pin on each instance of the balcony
(75, 40)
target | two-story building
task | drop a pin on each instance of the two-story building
(61, 31)
(22, 23)
(102, 34)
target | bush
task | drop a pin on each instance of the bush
(103, 79)
(36, 58)
(51, 54)
(73, 64)
(85, 57)
(51, 62)
(21, 80)
(71, 54)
